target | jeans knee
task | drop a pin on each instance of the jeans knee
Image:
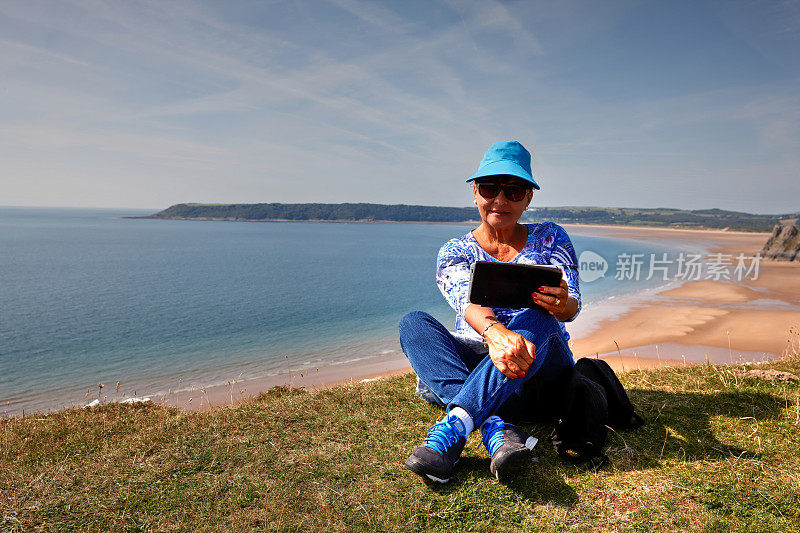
(538, 315)
(552, 350)
(413, 322)
(534, 320)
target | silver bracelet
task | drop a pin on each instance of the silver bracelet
(492, 323)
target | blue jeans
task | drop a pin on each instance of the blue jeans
(459, 376)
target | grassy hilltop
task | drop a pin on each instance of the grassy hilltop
(680, 218)
(719, 452)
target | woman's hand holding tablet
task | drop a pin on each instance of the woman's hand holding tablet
(553, 299)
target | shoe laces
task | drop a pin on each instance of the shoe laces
(493, 435)
(441, 436)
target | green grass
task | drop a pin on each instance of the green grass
(718, 453)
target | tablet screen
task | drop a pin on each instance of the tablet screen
(509, 285)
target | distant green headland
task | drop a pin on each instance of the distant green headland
(678, 218)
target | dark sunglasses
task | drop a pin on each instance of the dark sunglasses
(512, 191)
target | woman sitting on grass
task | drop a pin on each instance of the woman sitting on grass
(521, 343)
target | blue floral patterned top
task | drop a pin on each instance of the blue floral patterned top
(548, 244)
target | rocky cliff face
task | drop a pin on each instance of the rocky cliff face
(784, 243)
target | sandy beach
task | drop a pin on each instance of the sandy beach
(693, 322)
(719, 321)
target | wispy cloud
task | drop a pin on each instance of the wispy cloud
(392, 101)
(372, 13)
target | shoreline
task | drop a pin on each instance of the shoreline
(701, 312)
(238, 391)
(754, 316)
(683, 323)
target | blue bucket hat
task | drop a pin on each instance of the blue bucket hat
(507, 158)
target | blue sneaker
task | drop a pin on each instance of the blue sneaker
(509, 447)
(440, 451)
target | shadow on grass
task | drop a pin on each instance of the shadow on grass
(538, 483)
(681, 426)
(686, 426)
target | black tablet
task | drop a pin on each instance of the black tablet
(509, 285)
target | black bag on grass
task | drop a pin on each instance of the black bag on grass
(581, 432)
(621, 413)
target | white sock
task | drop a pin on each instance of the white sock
(467, 425)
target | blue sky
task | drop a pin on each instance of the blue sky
(642, 104)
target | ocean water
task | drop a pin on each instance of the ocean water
(89, 296)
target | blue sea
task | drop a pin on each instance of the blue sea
(90, 296)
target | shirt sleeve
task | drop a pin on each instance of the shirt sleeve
(563, 256)
(452, 275)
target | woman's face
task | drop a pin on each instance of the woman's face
(501, 212)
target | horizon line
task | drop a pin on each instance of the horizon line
(778, 214)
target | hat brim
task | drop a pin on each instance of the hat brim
(504, 167)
